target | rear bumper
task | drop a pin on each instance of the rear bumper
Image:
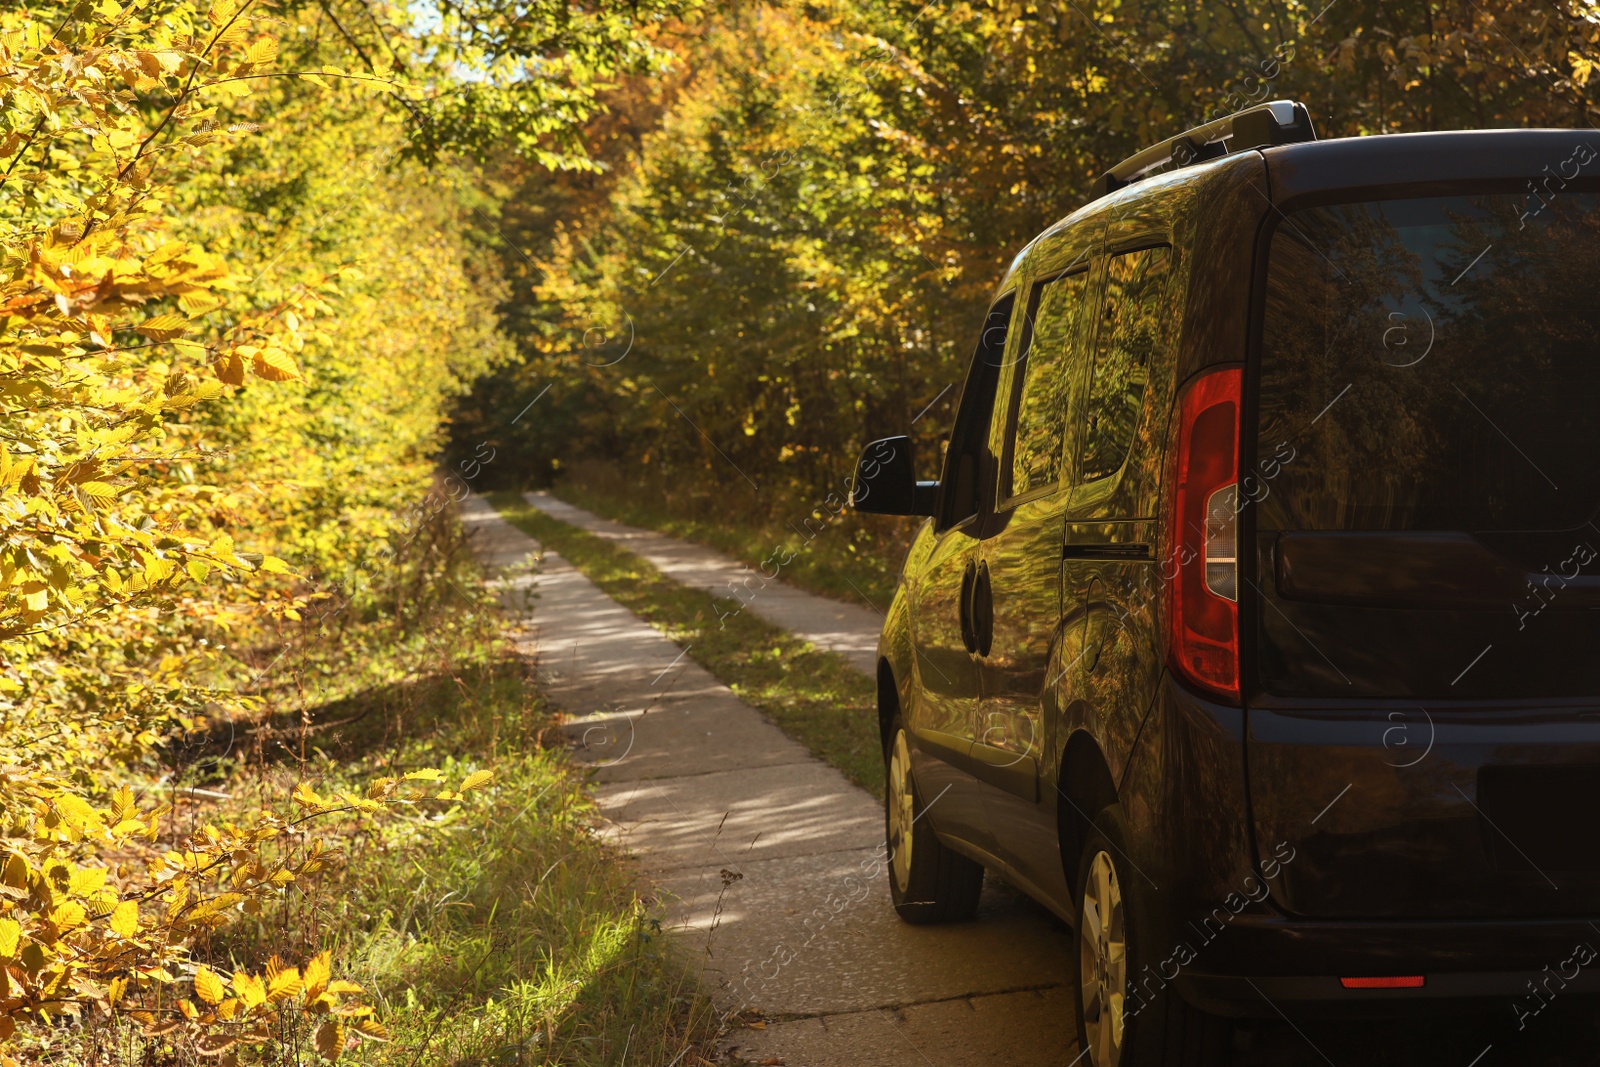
(1262, 965)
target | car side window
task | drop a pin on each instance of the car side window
(1132, 329)
(1058, 316)
(968, 464)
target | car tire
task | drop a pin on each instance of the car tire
(928, 882)
(1119, 1027)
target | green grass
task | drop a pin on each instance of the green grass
(816, 697)
(496, 930)
(838, 553)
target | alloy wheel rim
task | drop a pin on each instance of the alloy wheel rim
(901, 815)
(1102, 962)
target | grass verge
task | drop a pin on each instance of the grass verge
(816, 697)
(492, 929)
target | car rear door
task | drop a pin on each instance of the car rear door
(1424, 729)
(1110, 569)
(1021, 557)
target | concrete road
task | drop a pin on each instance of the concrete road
(848, 629)
(771, 860)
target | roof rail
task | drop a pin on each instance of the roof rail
(1274, 122)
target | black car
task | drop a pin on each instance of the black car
(1255, 626)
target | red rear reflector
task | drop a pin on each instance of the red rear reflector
(1407, 981)
(1203, 610)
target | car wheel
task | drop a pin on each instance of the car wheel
(928, 882)
(1118, 1027)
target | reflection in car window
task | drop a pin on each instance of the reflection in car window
(967, 463)
(1131, 333)
(1039, 445)
(1432, 364)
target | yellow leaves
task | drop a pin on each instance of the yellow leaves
(318, 972)
(476, 779)
(271, 363)
(261, 50)
(229, 368)
(122, 806)
(162, 327)
(284, 984)
(372, 1029)
(250, 989)
(274, 364)
(1582, 67)
(87, 881)
(16, 871)
(207, 986)
(13, 472)
(157, 569)
(197, 302)
(77, 815)
(125, 919)
(68, 916)
(117, 316)
(330, 1039)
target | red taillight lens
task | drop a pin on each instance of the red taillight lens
(1406, 981)
(1203, 610)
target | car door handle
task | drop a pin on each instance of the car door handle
(1132, 550)
(969, 578)
(982, 610)
(977, 609)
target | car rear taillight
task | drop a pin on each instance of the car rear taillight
(1203, 609)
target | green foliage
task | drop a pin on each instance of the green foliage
(485, 78)
(232, 317)
(792, 254)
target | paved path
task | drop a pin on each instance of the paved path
(848, 629)
(771, 860)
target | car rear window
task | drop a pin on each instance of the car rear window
(1432, 364)
(1428, 458)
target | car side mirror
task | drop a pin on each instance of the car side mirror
(886, 481)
